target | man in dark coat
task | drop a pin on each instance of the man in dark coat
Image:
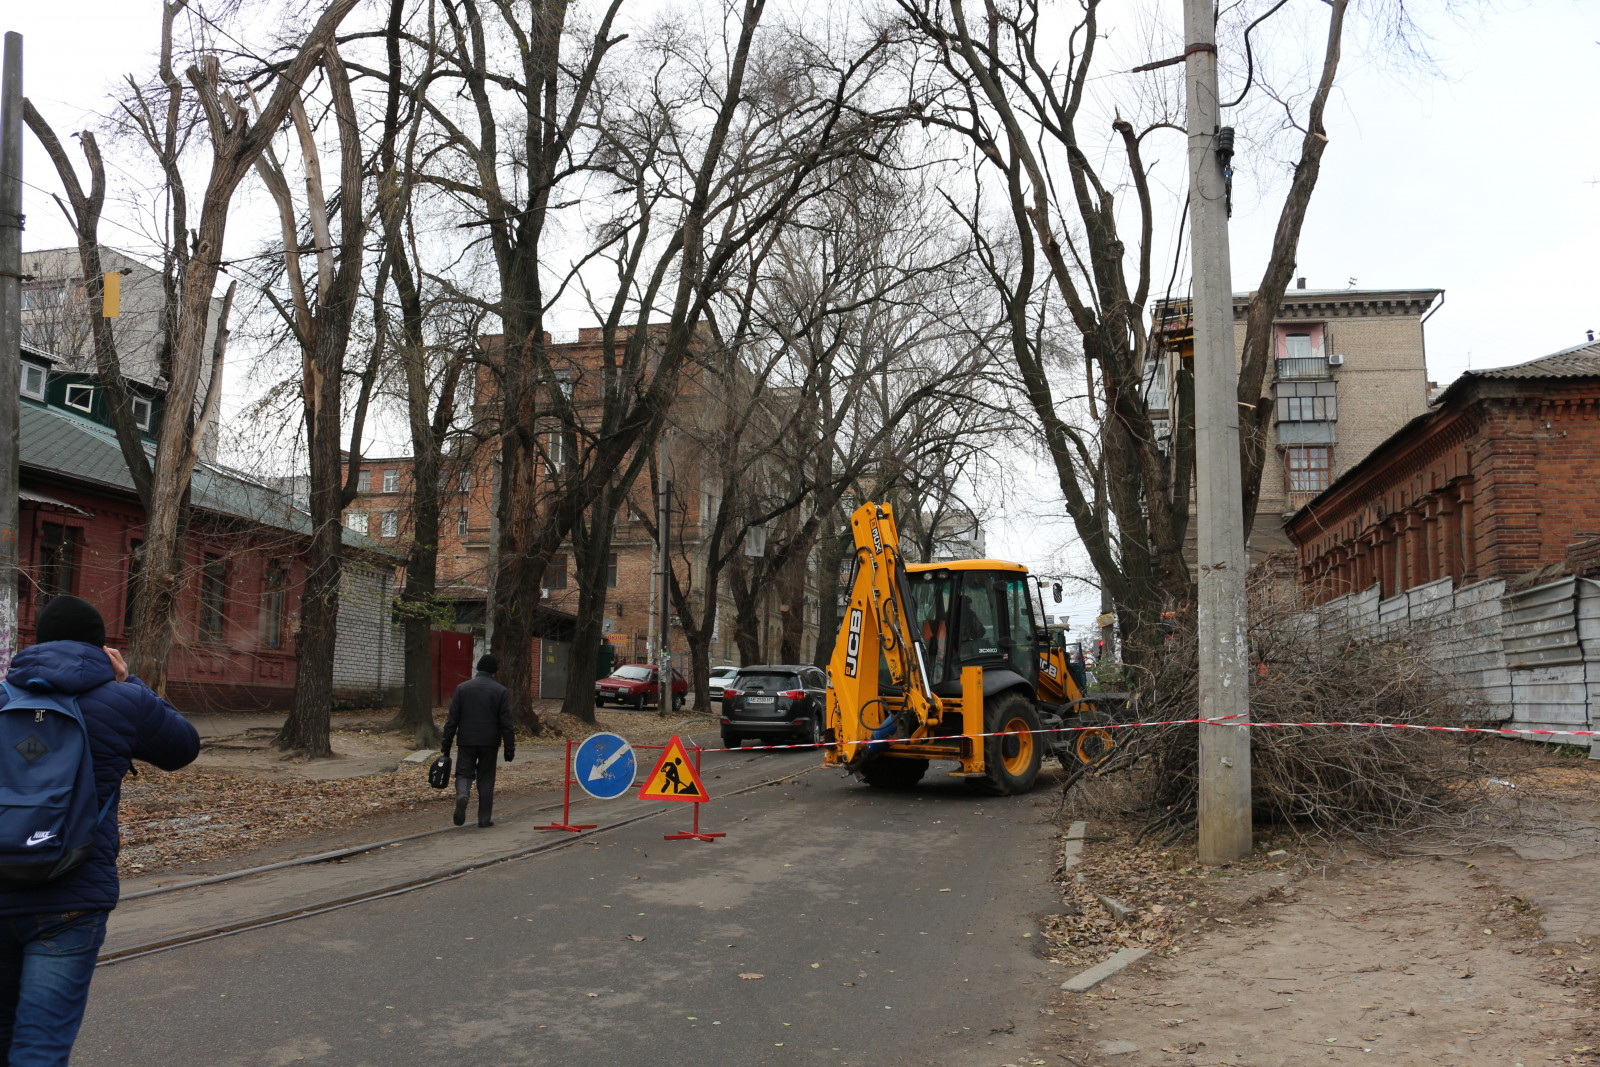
(480, 711)
(50, 934)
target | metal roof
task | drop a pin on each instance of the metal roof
(59, 444)
(45, 500)
(967, 565)
(1579, 361)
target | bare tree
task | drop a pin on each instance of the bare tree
(193, 259)
(998, 79)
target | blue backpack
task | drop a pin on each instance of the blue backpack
(47, 793)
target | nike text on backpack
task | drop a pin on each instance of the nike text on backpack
(48, 812)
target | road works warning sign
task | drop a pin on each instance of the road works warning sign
(674, 777)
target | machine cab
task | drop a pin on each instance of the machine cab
(976, 612)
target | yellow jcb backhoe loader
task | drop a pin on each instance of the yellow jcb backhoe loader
(929, 652)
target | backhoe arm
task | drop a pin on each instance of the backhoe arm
(878, 631)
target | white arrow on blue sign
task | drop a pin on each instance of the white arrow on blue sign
(604, 766)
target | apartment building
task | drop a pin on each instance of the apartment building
(1349, 370)
(57, 318)
(382, 510)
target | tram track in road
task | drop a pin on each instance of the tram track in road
(393, 888)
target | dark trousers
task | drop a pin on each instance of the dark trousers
(46, 962)
(477, 761)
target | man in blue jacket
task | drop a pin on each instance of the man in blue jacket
(50, 934)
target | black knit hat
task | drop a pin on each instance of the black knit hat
(487, 664)
(66, 618)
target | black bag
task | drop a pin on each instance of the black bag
(439, 772)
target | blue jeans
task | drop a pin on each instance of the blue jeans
(46, 962)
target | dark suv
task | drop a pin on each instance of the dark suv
(774, 704)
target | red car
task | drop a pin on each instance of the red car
(637, 684)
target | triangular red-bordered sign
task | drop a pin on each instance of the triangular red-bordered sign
(674, 777)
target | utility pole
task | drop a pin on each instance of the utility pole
(664, 660)
(1224, 817)
(10, 334)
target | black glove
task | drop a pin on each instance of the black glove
(510, 753)
(444, 750)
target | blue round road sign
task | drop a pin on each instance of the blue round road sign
(604, 766)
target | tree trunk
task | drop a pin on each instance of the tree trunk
(521, 568)
(417, 602)
(306, 729)
(746, 621)
(792, 591)
(835, 551)
(591, 544)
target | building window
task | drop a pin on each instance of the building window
(391, 524)
(1297, 346)
(356, 520)
(465, 481)
(39, 297)
(33, 378)
(58, 560)
(363, 481)
(81, 397)
(1309, 468)
(611, 571)
(461, 523)
(555, 575)
(272, 603)
(555, 451)
(130, 597)
(391, 481)
(142, 411)
(213, 598)
(1308, 409)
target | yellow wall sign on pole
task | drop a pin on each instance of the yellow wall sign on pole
(674, 778)
(111, 306)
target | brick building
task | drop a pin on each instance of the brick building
(1495, 481)
(1349, 370)
(80, 521)
(382, 510)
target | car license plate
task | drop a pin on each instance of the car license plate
(760, 700)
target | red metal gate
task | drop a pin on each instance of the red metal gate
(452, 663)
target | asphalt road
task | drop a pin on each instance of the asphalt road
(886, 928)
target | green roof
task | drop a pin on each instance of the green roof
(63, 445)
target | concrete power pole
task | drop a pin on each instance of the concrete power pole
(10, 333)
(1224, 749)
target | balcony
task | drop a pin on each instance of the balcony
(1302, 368)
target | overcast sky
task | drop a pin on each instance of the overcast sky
(1482, 180)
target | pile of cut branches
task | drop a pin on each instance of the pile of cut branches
(1383, 785)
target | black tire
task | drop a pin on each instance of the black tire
(888, 772)
(1011, 764)
(638, 702)
(599, 702)
(678, 700)
(731, 740)
(811, 734)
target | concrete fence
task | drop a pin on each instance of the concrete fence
(1528, 659)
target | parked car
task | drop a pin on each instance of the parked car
(637, 684)
(720, 677)
(774, 703)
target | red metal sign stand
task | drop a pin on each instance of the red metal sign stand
(694, 834)
(566, 822)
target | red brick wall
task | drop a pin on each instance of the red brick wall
(239, 672)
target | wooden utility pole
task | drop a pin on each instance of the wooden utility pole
(10, 334)
(1224, 818)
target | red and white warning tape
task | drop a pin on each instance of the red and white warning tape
(1502, 732)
